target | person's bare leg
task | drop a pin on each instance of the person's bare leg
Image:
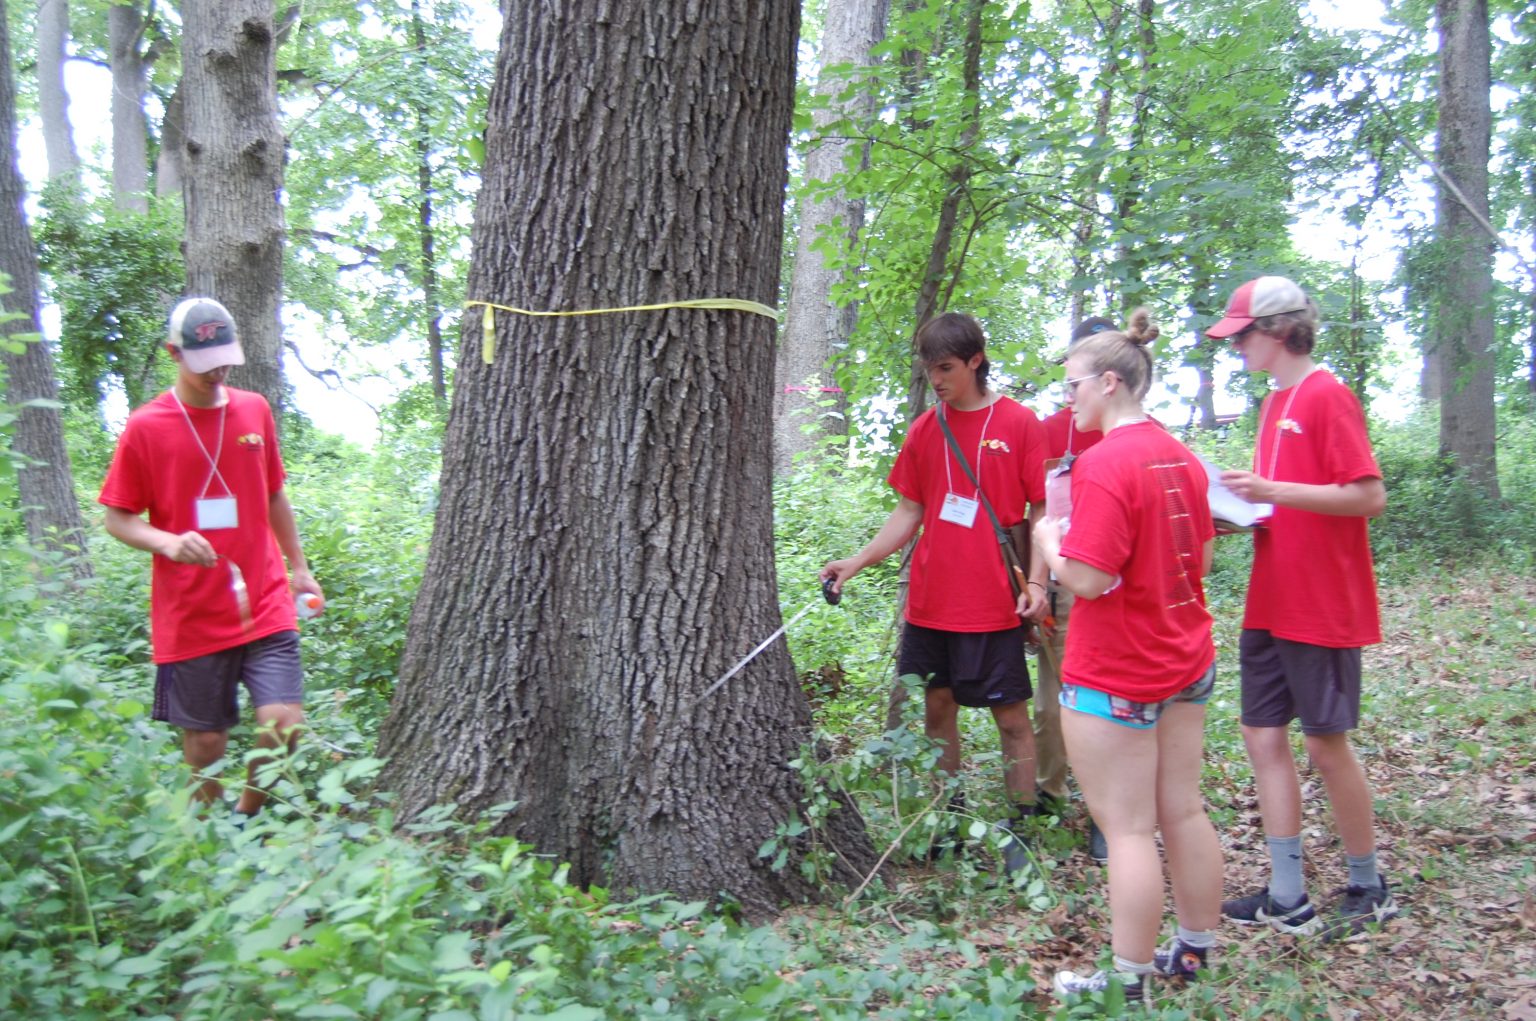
(277, 726)
(201, 749)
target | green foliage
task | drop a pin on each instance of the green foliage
(1431, 518)
(114, 274)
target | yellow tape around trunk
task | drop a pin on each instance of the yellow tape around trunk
(488, 318)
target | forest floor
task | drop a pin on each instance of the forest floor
(1447, 743)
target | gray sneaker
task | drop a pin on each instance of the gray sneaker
(1361, 906)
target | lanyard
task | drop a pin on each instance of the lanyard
(213, 460)
(1285, 416)
(949, 479)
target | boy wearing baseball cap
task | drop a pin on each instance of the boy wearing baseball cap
(1311, 606)
(202, 460)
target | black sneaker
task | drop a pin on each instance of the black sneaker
(1261, 909)
(1361, 906)
(1177, 959)
(1047, 804)
(1098, 847)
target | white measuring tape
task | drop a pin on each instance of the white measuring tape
(749, 657)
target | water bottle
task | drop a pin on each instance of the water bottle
(307, 605)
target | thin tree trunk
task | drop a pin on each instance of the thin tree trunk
(45, 483)
(603, 547)
(1129, 256)
(130, 139)
(1463, 322)
(52, 98)
(429, 289)
(816, 326)
(1088, 214)
(233, 160)
(940, 254)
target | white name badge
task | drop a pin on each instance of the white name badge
(959, 510)
(217, 512)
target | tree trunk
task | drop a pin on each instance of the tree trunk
(815, 326)
(429, 289)
(1129, 256)
(941, 251)
(52, 99)
(1463, 320)
(233, 164)
(168, 161)
(940, 254)
(603, 547)
(45, 483)
(1083, 248)
(130, 140)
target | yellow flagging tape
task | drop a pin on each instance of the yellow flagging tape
(488, 318)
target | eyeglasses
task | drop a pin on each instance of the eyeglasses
(1071, 384)
(1243, 333)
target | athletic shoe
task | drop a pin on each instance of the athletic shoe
(1261, 909)
(1070, 983)
(1048, 804)
(1098, 847)
(1179, 960)
(1360, 907)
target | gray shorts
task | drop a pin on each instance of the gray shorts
(1285, 680)
(201, 693)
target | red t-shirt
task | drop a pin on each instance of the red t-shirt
(1313, 579)
(159, 467)
(1062, 437)
(958, 580)
(1139, 511)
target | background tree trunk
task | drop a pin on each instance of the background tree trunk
(130, 140)
(52, 99)
(814, 325)
(603, 547)
(233, 165)
(1088, 217)
(168, 161)
(1463, 319)
(428, 241)
(46, 485)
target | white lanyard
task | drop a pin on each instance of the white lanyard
(949, 479)
(1285, 416)
(213, 460)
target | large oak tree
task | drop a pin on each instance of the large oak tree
(603, 545)
(232, 166)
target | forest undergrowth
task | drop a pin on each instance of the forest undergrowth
(123, 903)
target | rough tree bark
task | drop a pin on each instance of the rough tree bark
(1463, 339)
(232, 156)
(52, 98)
(603, 546)
(46, 484)
(814, 325)
(130, 139)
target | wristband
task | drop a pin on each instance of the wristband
(1037, 585)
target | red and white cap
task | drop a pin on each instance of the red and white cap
(1266, 296)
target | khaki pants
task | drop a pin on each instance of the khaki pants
(1050, 750)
